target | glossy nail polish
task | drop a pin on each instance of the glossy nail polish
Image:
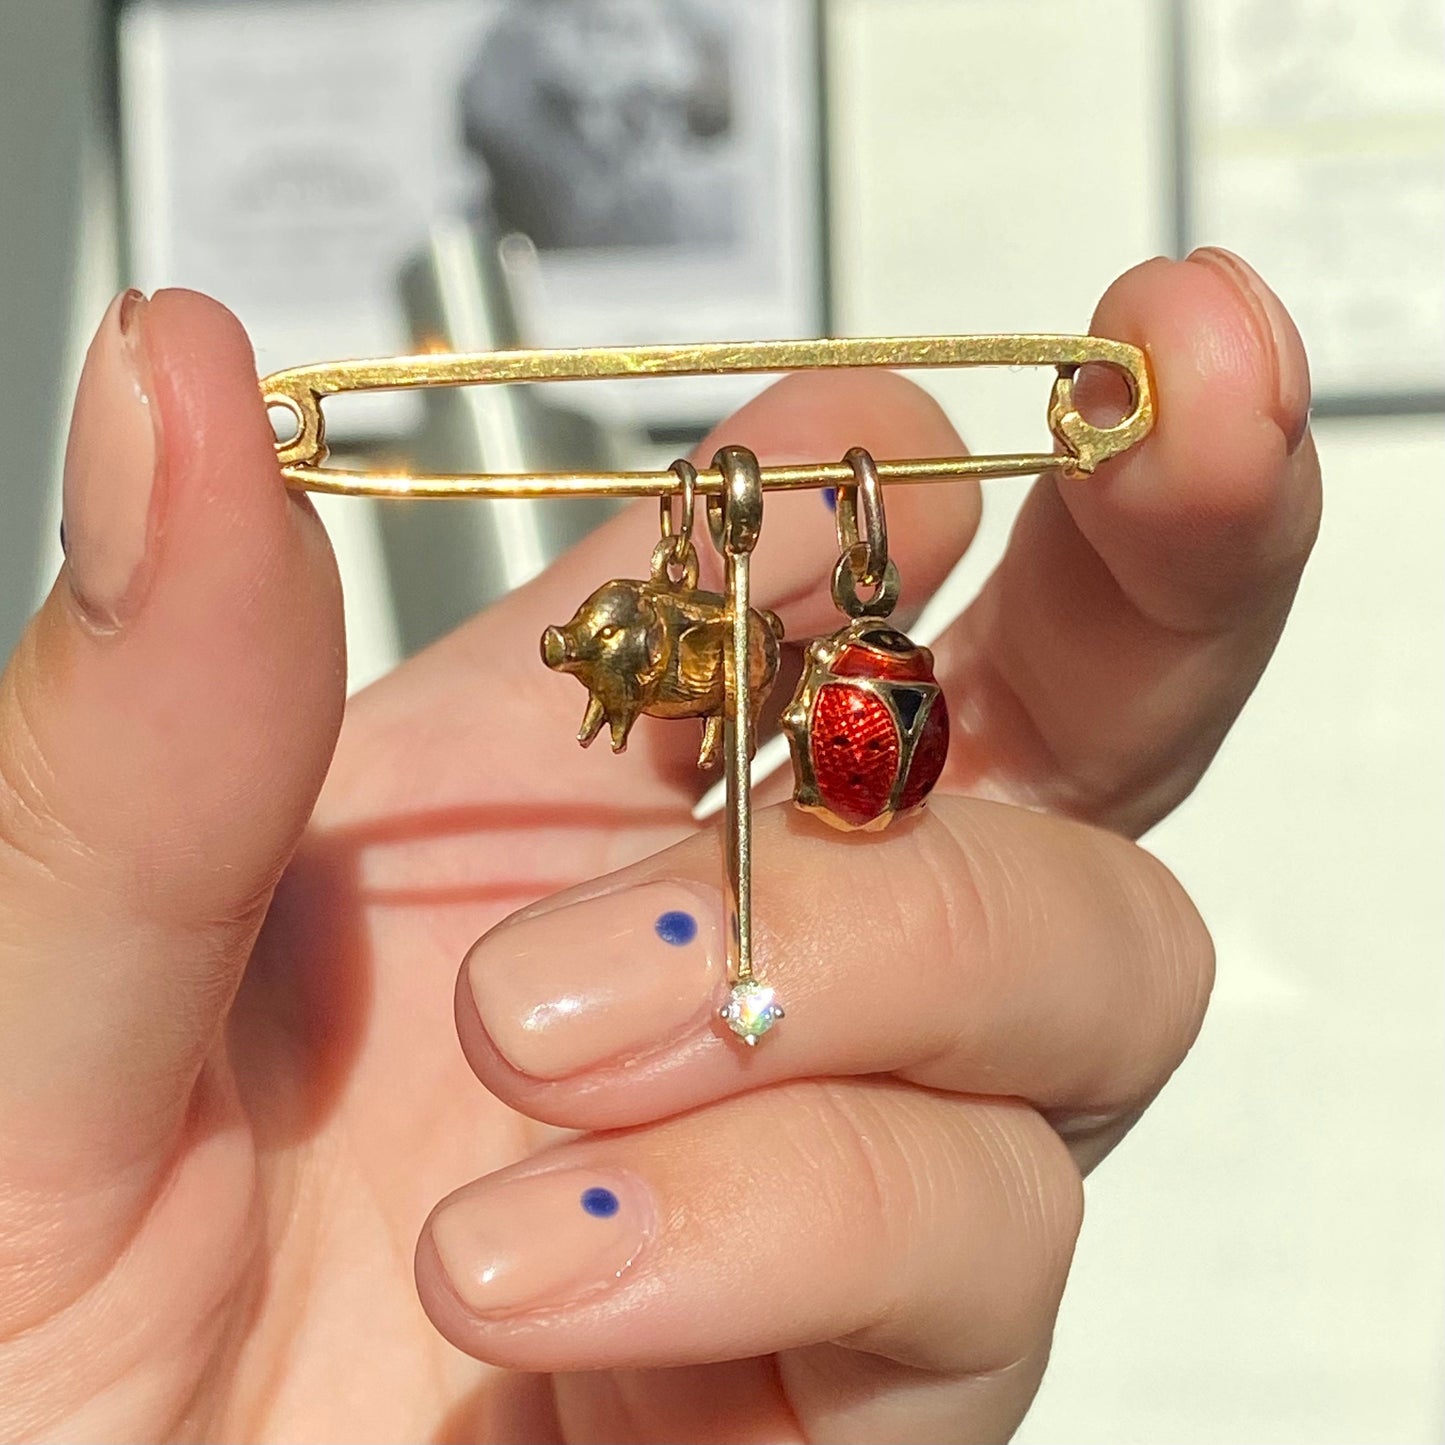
(111, 463)
(543, 1240)
(611, 976)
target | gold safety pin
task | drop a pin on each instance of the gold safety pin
(733, 486)
(301, 390)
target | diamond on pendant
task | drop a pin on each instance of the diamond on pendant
(751, 1010)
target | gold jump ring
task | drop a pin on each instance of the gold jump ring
(867, 493)
(681, 535)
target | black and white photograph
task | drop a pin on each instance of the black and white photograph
(607, 123)
(660, 161)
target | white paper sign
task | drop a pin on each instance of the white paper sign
(1317, 142)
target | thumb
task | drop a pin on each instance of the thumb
(165, 724)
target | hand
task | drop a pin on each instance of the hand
(227, 1107)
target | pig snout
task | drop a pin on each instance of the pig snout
(556, 648)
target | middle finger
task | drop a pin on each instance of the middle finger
(978, 948)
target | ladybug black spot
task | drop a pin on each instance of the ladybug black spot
(886, 639)
(908, 701)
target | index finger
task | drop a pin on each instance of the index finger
(1134, 611)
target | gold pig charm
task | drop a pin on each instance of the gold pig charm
(657, 647)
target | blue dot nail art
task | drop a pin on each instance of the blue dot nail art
(600, 1202)
(830, 498)
(676, 927)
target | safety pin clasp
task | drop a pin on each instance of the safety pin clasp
(1083, 446)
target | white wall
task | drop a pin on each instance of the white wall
(1262, 1260)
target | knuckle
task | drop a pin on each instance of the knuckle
(849, 1137)
(1178, 961)
(1038, 1189)
(1154, 959)
(853, 1140)
(1038, 1180)
(946, 921)
(970, 1210)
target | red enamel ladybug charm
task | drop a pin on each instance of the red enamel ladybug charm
(868, 726)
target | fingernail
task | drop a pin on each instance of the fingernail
(614, 975)
(1277, 332)
(110, 468)
(542, 1240)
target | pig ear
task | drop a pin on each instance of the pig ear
(655, 631)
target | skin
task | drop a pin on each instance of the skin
(231, 922)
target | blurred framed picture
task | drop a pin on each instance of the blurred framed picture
(661, 158)
(1312, 141)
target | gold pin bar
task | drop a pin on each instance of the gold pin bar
(301, 391)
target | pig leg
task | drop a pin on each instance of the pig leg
(621, 725)
(592, 721)
(710, 753)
